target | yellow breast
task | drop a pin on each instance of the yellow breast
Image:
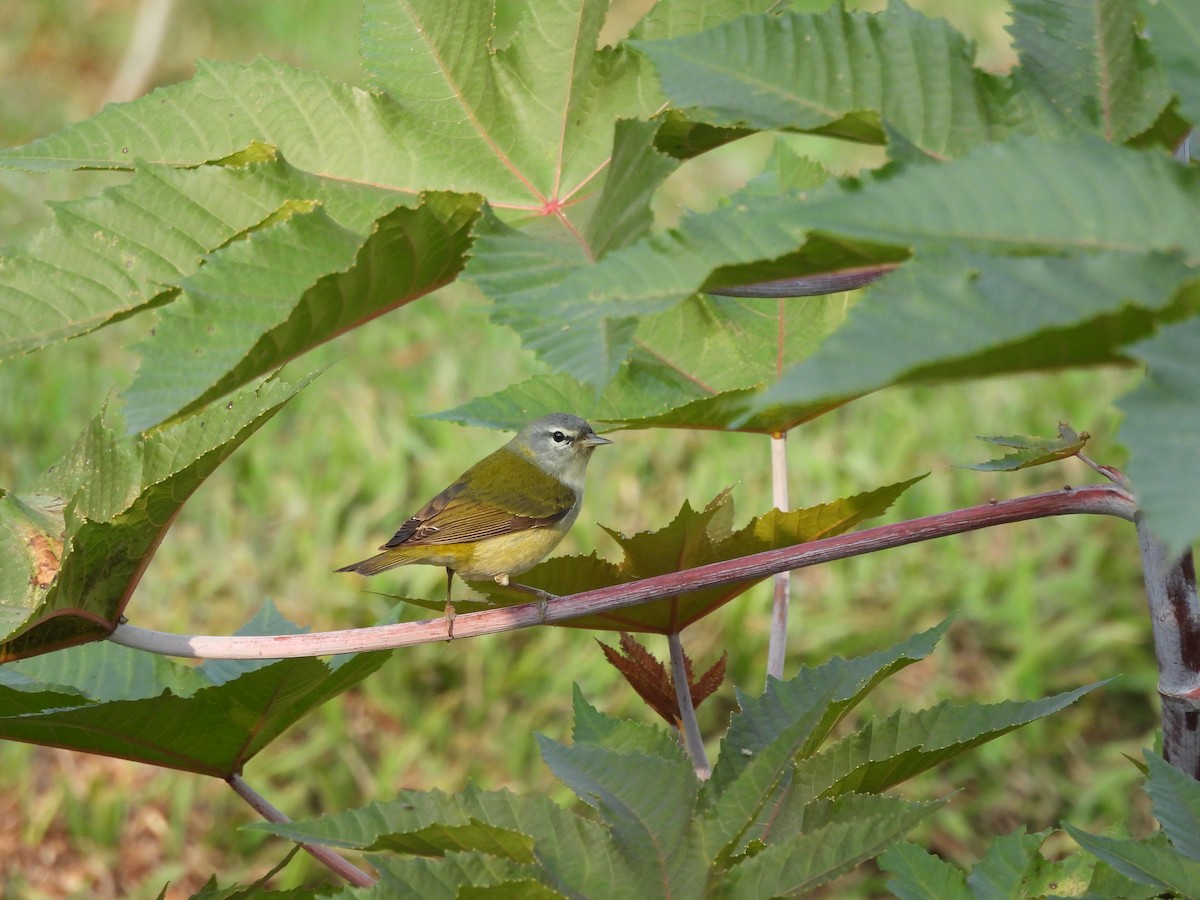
(508, 554)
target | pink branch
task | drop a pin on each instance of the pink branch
(1107, 500)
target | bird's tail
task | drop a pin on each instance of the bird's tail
(376, 564)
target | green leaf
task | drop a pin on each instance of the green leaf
(594, 729)
(789, 720)
(1144, 862)
(119, 702)
(530, 125)
(848, 681)
(120, 498)
(747, 785)
(671, 18)
(885, 752)
(521, 269)
(1087, 68)
(119, 251)
(647, 801)
(693, 366)
(968, 317)
(1175, 802)
(1176, 37)
(1012, 861)
(457, 876)
(920, 875)
(858, 829)
(837, 73)
(275, 295)
(693, 538)
(103, 671)
(991, 201)
(1160, 429)
(1033, 451)
(572, 850)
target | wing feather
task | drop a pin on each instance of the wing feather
(501, 494)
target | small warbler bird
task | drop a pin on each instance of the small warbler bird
(504, 514)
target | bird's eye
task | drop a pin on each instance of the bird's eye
(558, 437)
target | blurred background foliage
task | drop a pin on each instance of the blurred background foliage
(1040, 607)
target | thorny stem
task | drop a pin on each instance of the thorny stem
(1092, 499)
(777, 647)
(687, 710)
(330, 858)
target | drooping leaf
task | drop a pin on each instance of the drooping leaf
(693, 538)
(1033, 451)
(119, 497)
(971, 317)
(1086, 67)
(119, 251)
(114, 701)
(268, 298)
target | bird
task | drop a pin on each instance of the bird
(501, 516)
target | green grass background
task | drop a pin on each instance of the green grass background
(1040, 607)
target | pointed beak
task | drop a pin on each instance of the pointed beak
(593, 440)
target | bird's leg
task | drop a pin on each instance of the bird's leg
(449, 606)
(543, 597)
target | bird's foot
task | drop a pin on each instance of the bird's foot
(543, 598)
(450, 614)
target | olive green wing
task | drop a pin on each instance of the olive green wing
(502, 494)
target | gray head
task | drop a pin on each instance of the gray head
(560, 444)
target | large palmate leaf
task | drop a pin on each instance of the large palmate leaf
(657, 829)
(839, 73)
(106, 699)
(81, 544)
(693, 538)
(311, 204)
